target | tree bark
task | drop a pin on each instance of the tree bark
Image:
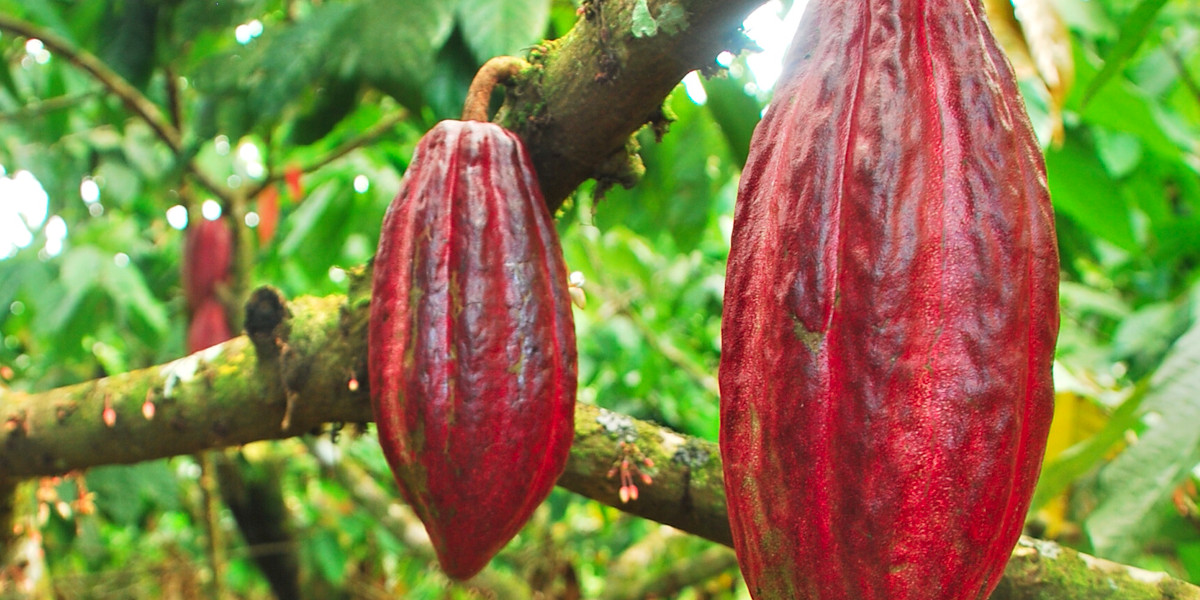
(591, 90)
(312, 353)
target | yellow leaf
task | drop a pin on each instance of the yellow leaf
(1050, 46)
(1003, 21)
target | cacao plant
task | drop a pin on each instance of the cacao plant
(471, 347)
(209, 326)
(890, 312)
(207, 259)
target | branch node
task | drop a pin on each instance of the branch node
(267, 322)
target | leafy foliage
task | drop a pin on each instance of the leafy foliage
(261, 88)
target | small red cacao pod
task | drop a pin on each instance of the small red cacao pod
(207, 257)
(471, 342)
(890, 312)
(209, 326)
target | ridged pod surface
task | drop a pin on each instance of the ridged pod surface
(471, 343)
(890, 312)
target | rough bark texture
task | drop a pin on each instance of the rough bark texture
(592, 89)
(891, 309)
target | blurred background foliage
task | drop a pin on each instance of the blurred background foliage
(298, 117)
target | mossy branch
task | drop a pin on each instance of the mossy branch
(314, 351)
(592, 89)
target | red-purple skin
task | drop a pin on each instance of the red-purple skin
(207, 259)
(471, 342)
(891, 309)
(208, 326)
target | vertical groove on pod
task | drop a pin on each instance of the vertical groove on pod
(463, 423)
(880, 386)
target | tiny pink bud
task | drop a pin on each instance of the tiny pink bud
(109, 415)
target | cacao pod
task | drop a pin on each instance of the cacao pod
(208, 327)
(471, 342)
(890, 312)
(207, 257)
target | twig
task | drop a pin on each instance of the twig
(703, 377)
(1184, 75)
(629, 577)
(39, 108)
(129, 95)
(212, 524)
(402, 523)
(386, 124)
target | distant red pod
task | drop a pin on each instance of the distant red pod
(207, 259)
(209, 326)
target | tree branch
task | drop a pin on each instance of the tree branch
(384, 126)
(592, 89)
(235, 393)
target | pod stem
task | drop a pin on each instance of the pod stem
(500, 69)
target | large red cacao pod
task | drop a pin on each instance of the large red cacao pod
(207, 258)
(890, 312)
(471, 343)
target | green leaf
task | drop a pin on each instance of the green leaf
(735, 112)
(329, 555)
(1077, 460)
(335, 99)
(135, 303)
(1088, 300)
(128, 45)
(446, 89)
(258, 81)
(502, 27)
(127, 492)
(1142, 338)
(1121, 107)
(1135, 485)
(1189, 557)
(393, 45)
(683, 180)
(1081, 189)
(1133, 32)
(80, 269)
